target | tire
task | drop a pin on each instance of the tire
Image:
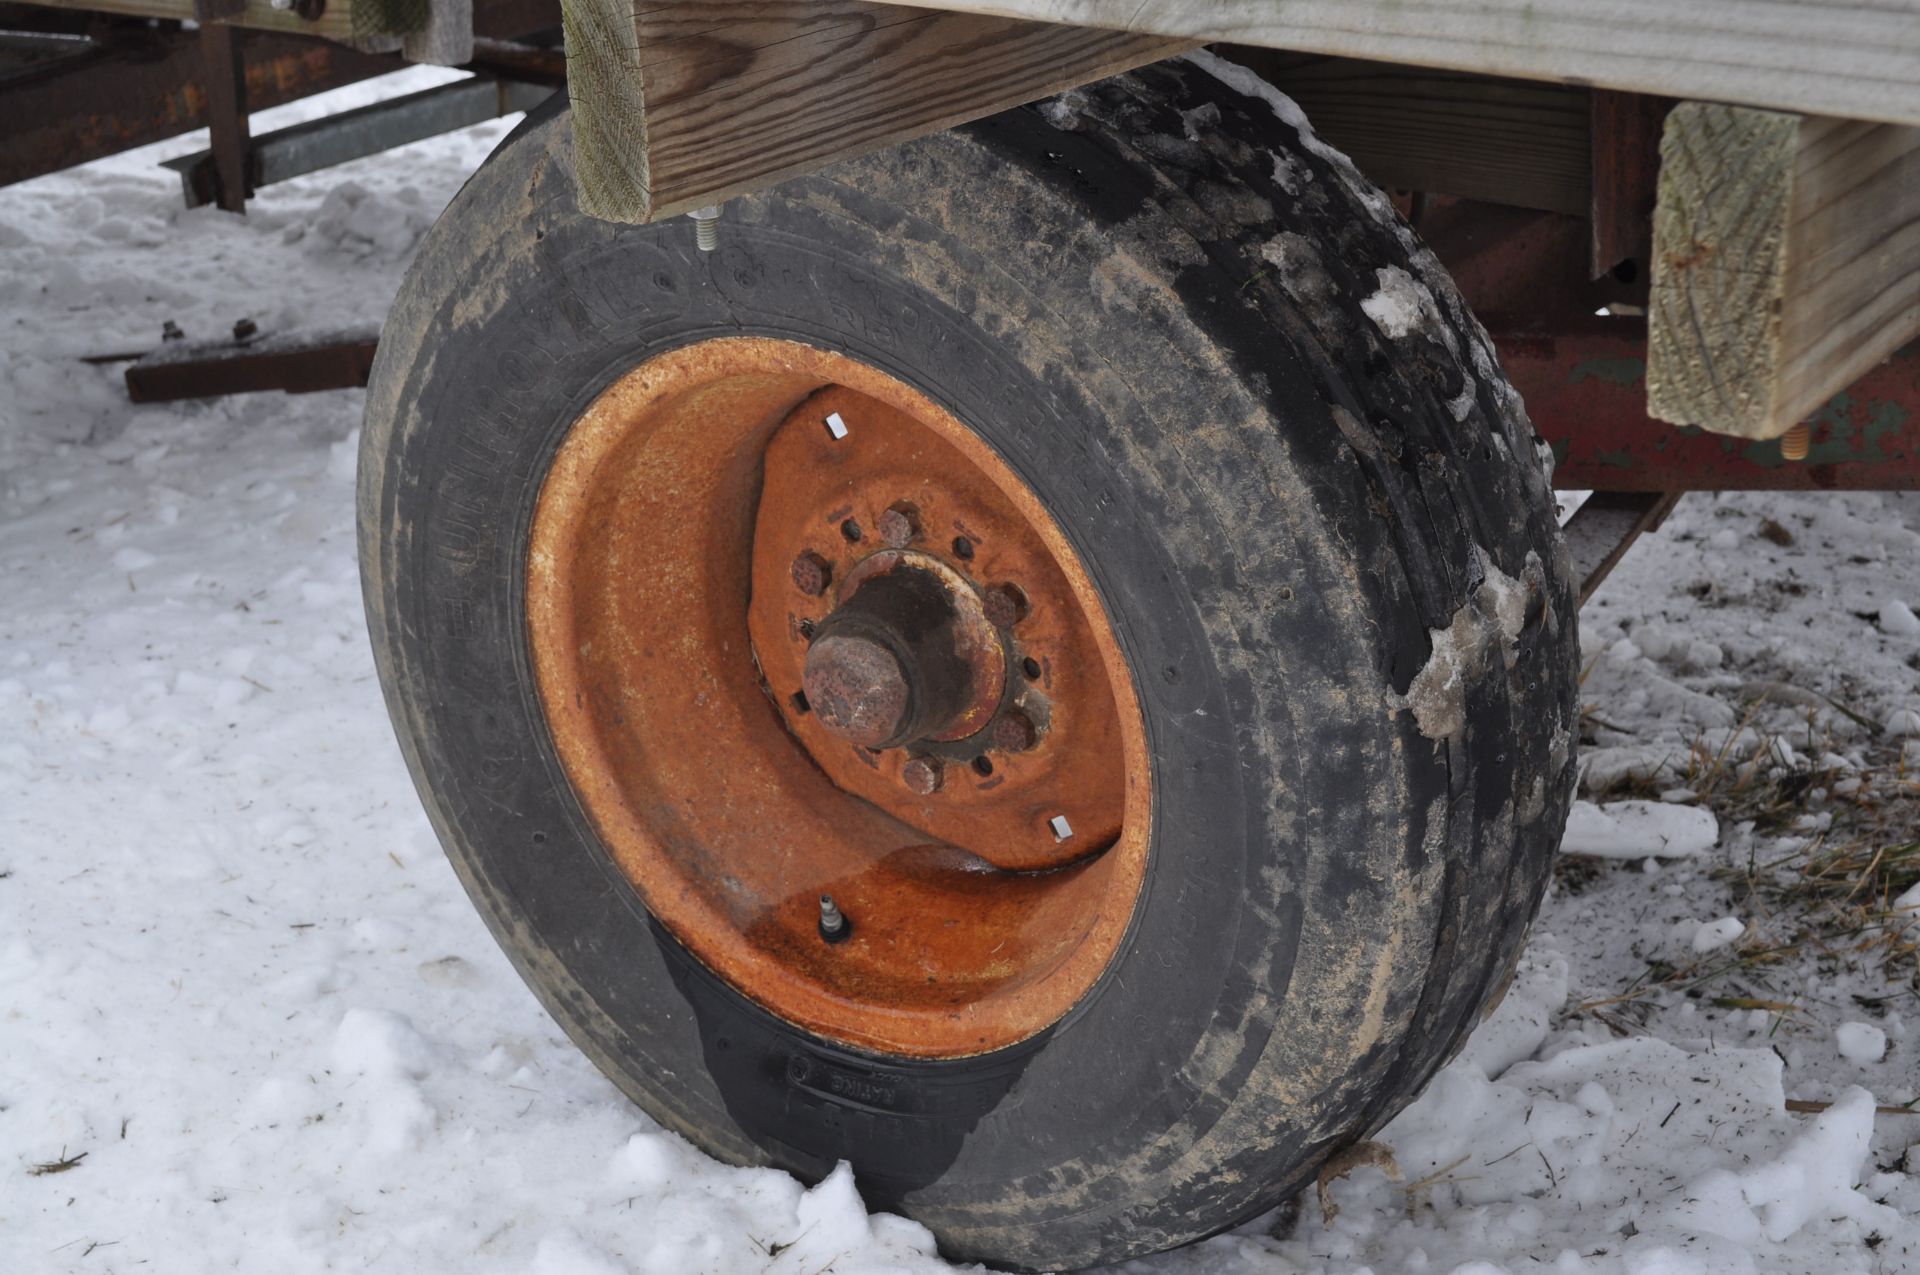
(1313, 512)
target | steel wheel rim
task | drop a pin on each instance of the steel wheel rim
(670, 607)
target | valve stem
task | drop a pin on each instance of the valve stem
(834, 925)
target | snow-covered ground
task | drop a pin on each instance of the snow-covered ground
(248, 1020)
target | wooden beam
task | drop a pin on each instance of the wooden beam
(342, 20)
(1858, 59)
(1786, 263)
(680, 105)
(1514, 142)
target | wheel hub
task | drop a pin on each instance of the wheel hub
(907, 655)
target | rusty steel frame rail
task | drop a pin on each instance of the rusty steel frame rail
(116, 96)
(1584, 384)
(134, 84)
(295, 364)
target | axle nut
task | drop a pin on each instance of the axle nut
(812, 574)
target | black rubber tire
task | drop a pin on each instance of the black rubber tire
(1330, 555)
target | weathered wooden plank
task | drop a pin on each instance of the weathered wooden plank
(1786, 263)
(1516, 142)
(1856, 59)
(680, 105)
(343, 20)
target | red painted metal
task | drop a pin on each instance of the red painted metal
(1584, 383)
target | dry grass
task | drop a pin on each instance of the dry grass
(1830, 899)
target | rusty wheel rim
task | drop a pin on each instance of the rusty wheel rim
(839, 697)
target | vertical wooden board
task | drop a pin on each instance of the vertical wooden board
(608, 100)
(1718, 232)
(1786, 263)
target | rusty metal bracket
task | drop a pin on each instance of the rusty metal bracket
(296, 364)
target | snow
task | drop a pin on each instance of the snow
(246, 1003)
(1637, 829)
(1861, 1042)
(1402, 306)
(1711, 936)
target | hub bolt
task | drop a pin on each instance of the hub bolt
(923, 776)
(899, 525)
(706, 227)
(812, 574)
(834, 926)
(1005, 605)
(1014, 732)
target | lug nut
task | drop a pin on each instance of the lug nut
(923, 776)
(1005, 605)
(899, 525)
(812, 574)
(1013, 732)
(834, 926)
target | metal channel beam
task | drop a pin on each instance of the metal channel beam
(1605, 527)
(367, 130)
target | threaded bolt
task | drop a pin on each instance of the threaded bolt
(1793, 443)
(812, 574)
(706, 227)
(923, 776)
